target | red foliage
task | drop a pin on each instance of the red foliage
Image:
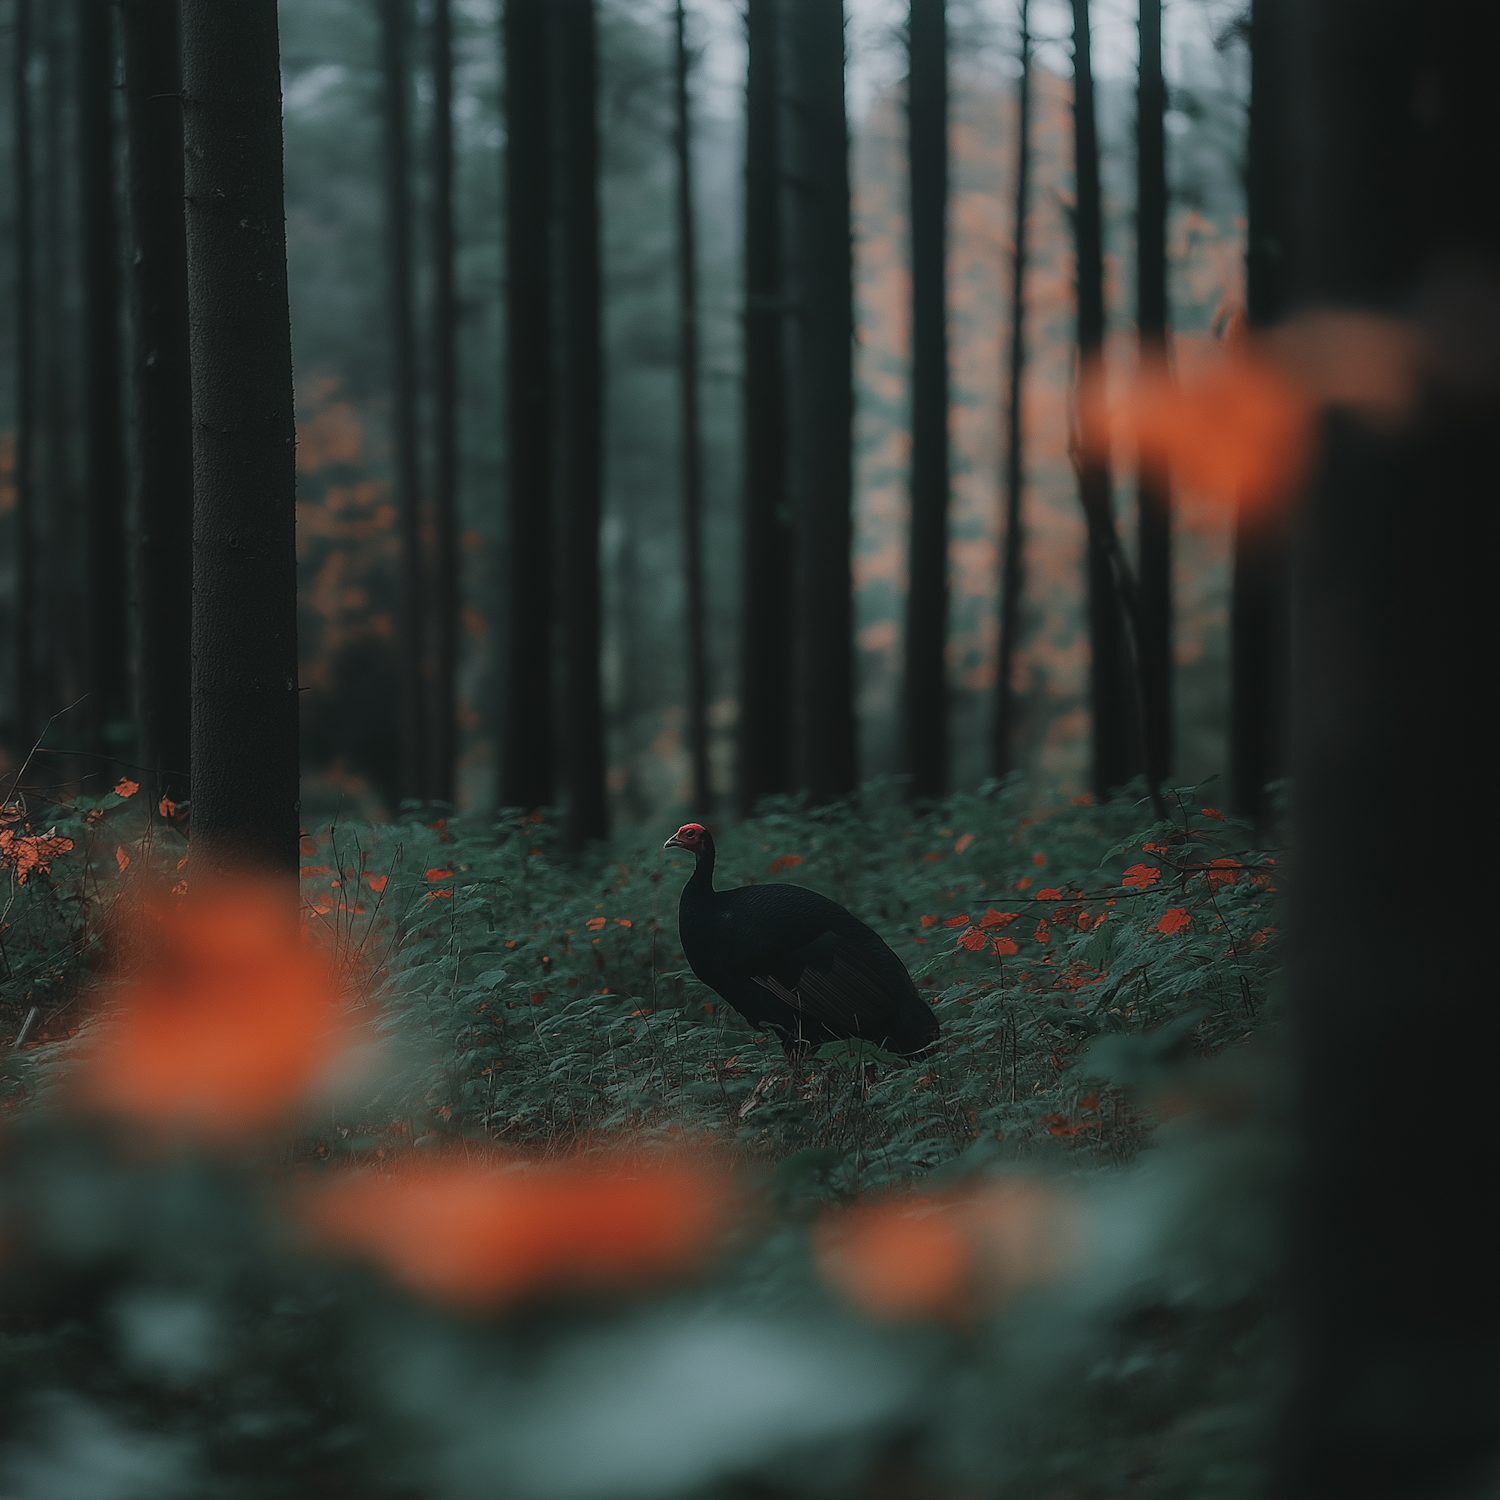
(28, 853)
(1176, 919)
(784, 862)
(1141, 876)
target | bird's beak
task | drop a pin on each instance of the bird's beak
(674, 843)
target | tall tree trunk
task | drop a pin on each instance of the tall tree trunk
(24, 662)
(1258, 617)
(578, 413)
(526, 732)
(447, 574)
(1012, 575)
(924, 709)
(106, 653)
(1115, 752)
(245, 802)
(161, 389)
(822, 400)
(692, 454)
(411, 616)
(1153, 486)
(1392, 1303)
(766, 672)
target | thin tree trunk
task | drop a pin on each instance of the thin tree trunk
(447, 581)
(527, 735)
(766, 672)
(245, 802)
(162, 390)
(1153, 481)
(1392, 1307)
(25, 725)
(692, 454)
(1115, 753)
(410, 647)
(925, 691)
(1012, 576)
(578, 419)
(822, 403)
(1258, 617)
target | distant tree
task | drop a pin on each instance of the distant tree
(578, 409)
(1391, 1304)
(1012, 573)
(161, 390)
(821, 398)
(447, 570)
(1116, 755)
(924, 710)
(1153, 480)
(526, 734)
(1258, 617)
(245, 799)
(23, 662)
(766, 664)
(690, 437)
(411, 615)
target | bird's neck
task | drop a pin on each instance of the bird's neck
(701, 883)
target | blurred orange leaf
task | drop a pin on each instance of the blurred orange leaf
(1212, 812)
(438, 875)
(1043, 932)
(376, 882)
(623, 922)
(122, 859)
(962, 842)
(973, 939)
(1039, 859)
(930, 921)
(993, 918)
(784, 862)
(956, 921)
(595, 923)
(1051, 893)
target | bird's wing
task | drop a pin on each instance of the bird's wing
(843, 985)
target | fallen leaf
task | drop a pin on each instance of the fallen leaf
(125, 787)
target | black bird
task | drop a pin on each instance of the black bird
(791, 960)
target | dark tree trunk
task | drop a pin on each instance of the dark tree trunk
(162, 390)
(766, 672)
(1153, 489)
(245, 803)
(447, 579)
(1258, 618)
(578, 418)
(1393, 1308)
(822, 401)
(411, 615)
(1115, 753)
(24, 664)
(1012, 575)
(527, 739)
(106, 654)
(924, 709)
(692, 454)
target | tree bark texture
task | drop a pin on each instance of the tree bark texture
(924, 718)
(245, 795)
(1012, 578)
(821, 399)
(527, 736)
(578, 411)
(766, 663)
(1116, 756)
(1154, 495)
(161, 391)
(1392, 1303)
(447, 572)
(25, 725)
(395, 49)
(690, 437)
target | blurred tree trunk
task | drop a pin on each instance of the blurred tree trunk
(1116, 756)
(1012, 575)
(245, 802)
(1258, 618)
(447, 573)
(924, 718)
(1392, 1301)
(766, 672)
(578, 418)
(692, 454)
(25, 723)
(108, 665)
(411, 616)
(526, 733)
(162, 392)
(821, 399)
(1153, 481)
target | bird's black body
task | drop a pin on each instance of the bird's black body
(796, 963)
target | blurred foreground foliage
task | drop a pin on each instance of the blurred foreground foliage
(562, 1227)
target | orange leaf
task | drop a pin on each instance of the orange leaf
(28, 852)
(1141, 876)
(956, 921)
(783, 863)
(1050, 894)
(125, 787)
(310, 871)
(1039, 859)
(595, 923)
(122, 859)
(993, 918)
(1043, 932)
(623, 922)
(376, 882)
(930, 921)
(1175, 920)
(1222, 872)
(1023, 884)
(1212, 812)
(1002, 946)
(973, 939)
(167, 807)
(962, 842)
(438, 875)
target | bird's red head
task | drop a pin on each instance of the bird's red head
(691, 836)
